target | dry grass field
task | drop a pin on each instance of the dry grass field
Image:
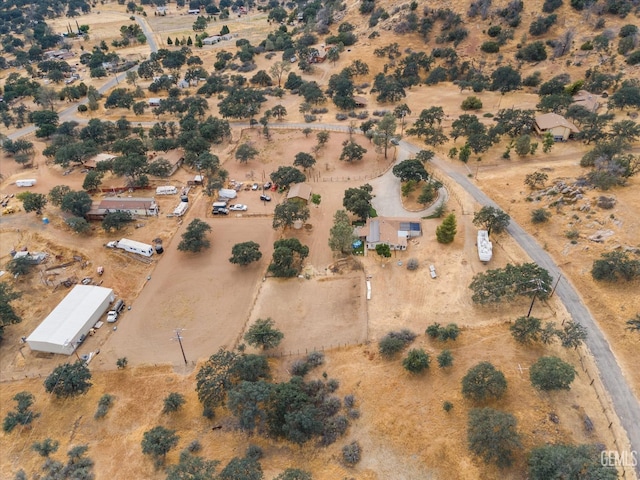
(404, 432)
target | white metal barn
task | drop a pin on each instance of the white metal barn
(74, 316)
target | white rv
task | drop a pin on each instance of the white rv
(181, 209)
(30, 182)
(194, 11)
(485, 247)
(135, 247)
(167, 190)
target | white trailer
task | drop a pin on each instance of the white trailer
(166, 190)
(227, 193)
(135, 247)
(485, 247)
(181, 209)
(29, 182)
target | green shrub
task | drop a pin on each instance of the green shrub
(394, 342)
(490, 47)
(416, 361)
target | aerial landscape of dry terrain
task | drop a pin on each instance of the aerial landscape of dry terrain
(240, 240)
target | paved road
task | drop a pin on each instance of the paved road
(624, 401)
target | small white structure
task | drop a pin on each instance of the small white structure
(181, 209)
(28, 182)
(166, 190)
(153, 102)
(485, 247)
(194, 11)
(134, 247)
(212, 40)
(227, 193)
(61, 331)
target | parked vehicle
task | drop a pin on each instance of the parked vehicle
(166, 190)
(132, 246)
(221, 211)
(238, 207)
(30, 182)
(265, 198)
(181, 209)
(255, 186)
(267, 185)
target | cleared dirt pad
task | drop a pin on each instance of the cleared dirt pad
(315, 314)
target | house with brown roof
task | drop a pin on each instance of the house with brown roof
(587, 100)
(561, 128)
(361, 102)
(300, 192)
(394, 232)
(95, 160)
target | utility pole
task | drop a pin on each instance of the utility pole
(179, 338)
(538, 288)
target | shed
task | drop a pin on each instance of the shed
(361, 102)
(75, 315)
(299, 191)
(95, 160)
(557, 125)
(213, 39)
(153, 102)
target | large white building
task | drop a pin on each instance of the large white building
(74, 316)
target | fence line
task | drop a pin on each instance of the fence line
(322, 348)
(609, 414)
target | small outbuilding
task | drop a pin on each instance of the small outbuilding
(300, 192)
(561, 128)
(96, 159)
(361, 102)
(63, 330)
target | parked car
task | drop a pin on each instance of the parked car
(255, 186)
(265, 198)
(221, 211)
(238, 207)
(432, 271)
(267, 185)
(394, 141)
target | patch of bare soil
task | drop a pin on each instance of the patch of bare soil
(611, 304)
(403, 430)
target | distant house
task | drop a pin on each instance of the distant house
(153, 102)
(138, 206)
(211, 40)
(394, 232)
(561, 128)
(361, 102)
(586, 100)
(174, 157)
(318, 56)
(94, 161)
(300, 192)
